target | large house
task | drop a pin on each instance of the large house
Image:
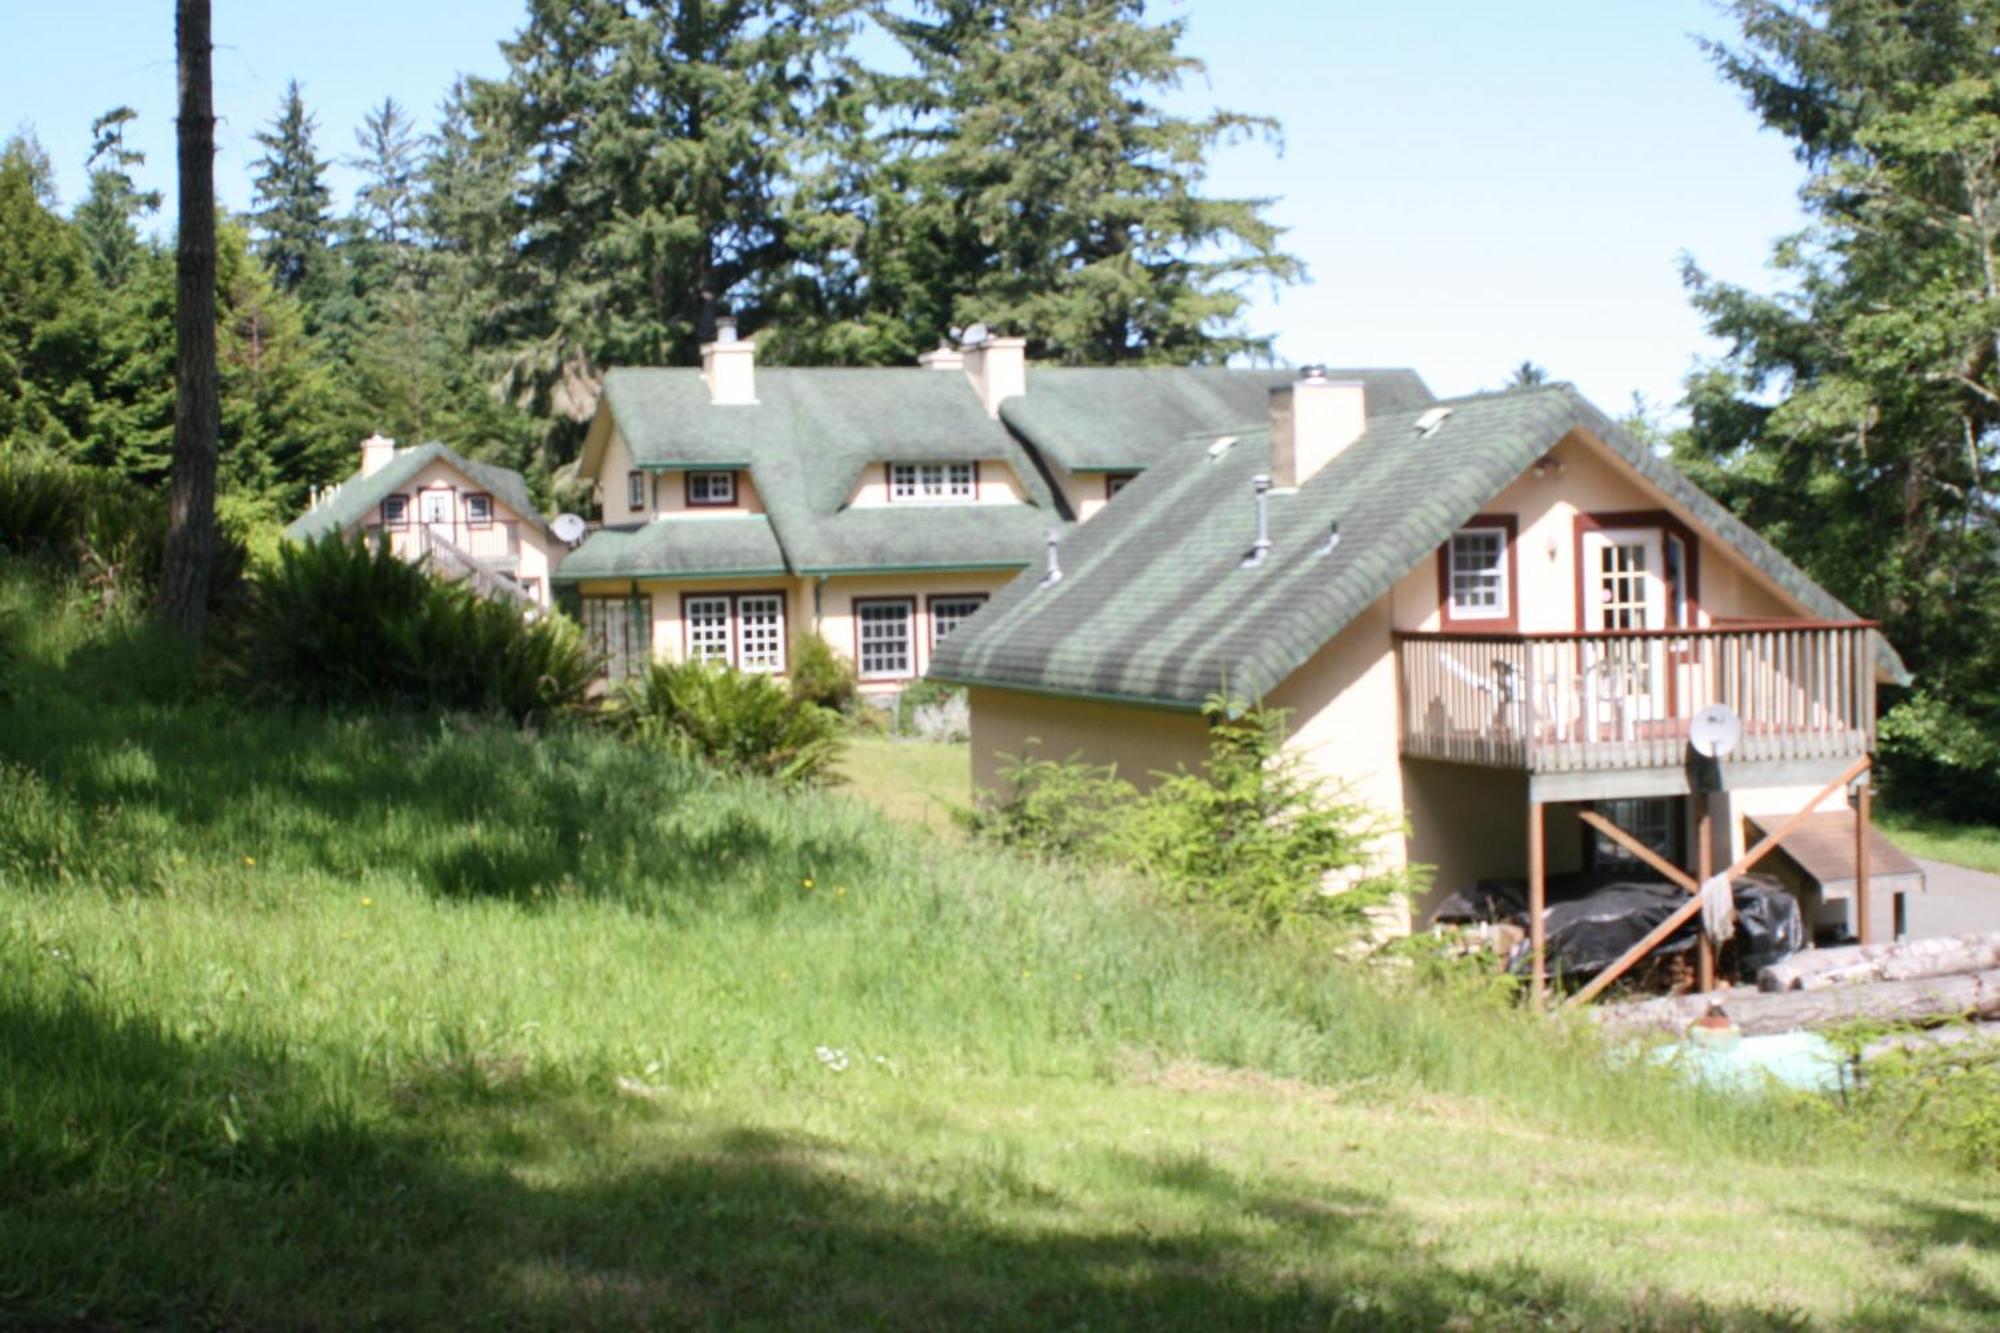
(743, 506)
(1491, 613)
(466, 519)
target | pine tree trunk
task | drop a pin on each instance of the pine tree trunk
(191, 538)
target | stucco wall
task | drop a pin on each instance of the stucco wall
(666, 492)
(1140, 741)
(837, 595)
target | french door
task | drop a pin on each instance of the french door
(1625, 587)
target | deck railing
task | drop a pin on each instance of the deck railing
(497, 543)
(1623, 699)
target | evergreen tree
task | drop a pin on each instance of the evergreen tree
(649, 148)
(50, 315)
(1035, 182)
(107, 219)
(1876, 467)
(291, 202)
(391, 166)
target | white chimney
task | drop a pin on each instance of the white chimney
(1312, 420)
(942, 357)
(729, 366)
(998, 369)
(376, 451)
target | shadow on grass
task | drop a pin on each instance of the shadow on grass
(470, 809)
(129, 1198)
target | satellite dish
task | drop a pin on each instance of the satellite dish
(569, 529)
(974, 335)
(1714, 731)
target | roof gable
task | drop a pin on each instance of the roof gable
(355, 499)
(1156, 606)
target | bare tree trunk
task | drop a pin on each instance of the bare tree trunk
(190, 553)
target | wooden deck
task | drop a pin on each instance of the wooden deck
(1620, 700)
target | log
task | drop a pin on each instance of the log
(1978, 1036)
(1904, 961)
(1758, 1013)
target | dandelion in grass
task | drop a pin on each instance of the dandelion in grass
(367, 902)
(249, 860)
(832, 1058)
(807, 881)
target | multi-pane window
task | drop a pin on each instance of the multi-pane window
(1622, 585)
(711, 635)
(635, 490)
(395, 511)
(711, 488)
(948, 613)
(933, 481)
(478, 511)
(745, 630)
(760, 619)
(620, 630)
(883, 639)
(1479, 574)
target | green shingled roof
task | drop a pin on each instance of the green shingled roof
(1118, 419)
(1154, 605)
(359, 498)
(682, 548)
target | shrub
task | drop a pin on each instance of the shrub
(820, 675)
(737, 721)
(1255, 833)
(1938, 760)
(342, 622)
(82, 516)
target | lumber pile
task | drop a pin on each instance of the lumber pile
(1814, 969)
(1757, 1012)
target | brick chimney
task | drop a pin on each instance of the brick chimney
(729, 366)
(376, 451)
(1312, 420)
(998, 369)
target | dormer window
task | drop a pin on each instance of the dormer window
(711, 489)
(934, 482)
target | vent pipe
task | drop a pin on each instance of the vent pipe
(1261, 547)
(1054, 574)
(1332, 540)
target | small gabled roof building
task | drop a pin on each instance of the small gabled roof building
(465, 518)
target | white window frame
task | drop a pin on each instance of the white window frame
(907, 606)
(1503, 607)
(974, 600)
(934, 483)
(716, 489)
(635, 491)
(478, 510)
(699, 637)
(400, 518)
(768, 660)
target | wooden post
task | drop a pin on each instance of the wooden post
(1538, 941)
(1704, 866)
(1863, 906)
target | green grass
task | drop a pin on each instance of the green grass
(917, 782)
(1973, 845)
(334, 1022)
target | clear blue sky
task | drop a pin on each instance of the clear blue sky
(1470, 183)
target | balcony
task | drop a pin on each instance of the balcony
(495, 545)
(1612, 701)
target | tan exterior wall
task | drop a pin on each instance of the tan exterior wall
(514, 542)
(669, 634)
(1140, 741)
(670, 497)
(996, 485)
(838, 593)
(1083, 492)
(666, 492)
(1590, 480)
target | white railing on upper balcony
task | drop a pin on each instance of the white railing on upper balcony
(1623, 699)
(497, 543)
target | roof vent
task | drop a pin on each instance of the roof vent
(1428, 423)
(1054, 574)
(1332, 540)
(725, 328)
(1260, 548)
(1220, 447)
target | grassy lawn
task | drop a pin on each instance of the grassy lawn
(314, 1022)
(917, 782)
(1973, 845)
